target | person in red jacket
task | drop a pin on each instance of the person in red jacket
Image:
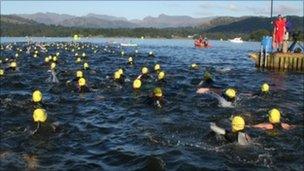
(279, 30)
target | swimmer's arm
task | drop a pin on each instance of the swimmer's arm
(266, 126)
(287, 126)
(139, 76)
(203, 90)
(217, 129)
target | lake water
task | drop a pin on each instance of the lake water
(113, 128)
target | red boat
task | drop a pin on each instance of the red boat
(200, 43)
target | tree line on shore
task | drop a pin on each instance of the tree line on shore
(40, 30)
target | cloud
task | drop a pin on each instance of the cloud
(281, 9)
(288, 10)
(233, 7)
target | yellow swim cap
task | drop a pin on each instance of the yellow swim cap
(46, 59)
(158, 92)
(54, 58)
(265, 88)
(120, 71)
(76, 37)
(81, 82)
(274, 116)
(161, 75)
(136, 84)
(85, 65)
(237, 124)
(194, 66)
(37, 96)
(78, 60)
(35, 55)
(231, 93)
(36, 51)
(39, 115)
(79, 74)
(117, 75)
(144, 70)
(1, 72)
(130, 59)
(53, 65)
(157, 67)
(13, 64)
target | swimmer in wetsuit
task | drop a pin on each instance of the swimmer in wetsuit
(237, 133)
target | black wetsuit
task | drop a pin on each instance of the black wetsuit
(231, 136)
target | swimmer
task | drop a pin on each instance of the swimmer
(119, 76)
(151, 54)
(82, 86)
(207, 78)
(53, 78)
(274, 117)
(156, 98)
(37, 98)
(194, 66)
(130, 61)
(161, 77)
(136, 84)
(39, 116)
(86, 66)
(229, 95)
(144, 73)
(236, 134)
(12, 66)
(157, 68)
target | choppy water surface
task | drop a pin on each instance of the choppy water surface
(111, 128)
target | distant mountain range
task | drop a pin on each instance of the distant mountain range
(51, 24)
(105, 21)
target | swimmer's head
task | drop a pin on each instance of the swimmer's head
(237, 124)
(136, 84)
(1, 72)
(156, 67)
(79, 74)
(117, 75)
(37, 96)
(13, 65)
(207, 76)
(54, 58)
(53, 65)
(130, 59)
(194, 66)
(39, 115)
(120, 71)
(265, 88)
(78, 60)
(274, 116)
(230, 93)
(85, 66)
(158, 92)
(46, 59)
(81, 82)
(161, 75)
(144, 70)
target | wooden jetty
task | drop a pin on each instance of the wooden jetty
(279, 61)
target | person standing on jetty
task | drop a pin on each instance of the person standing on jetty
(278, 32)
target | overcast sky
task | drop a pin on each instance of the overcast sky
(141, 9)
